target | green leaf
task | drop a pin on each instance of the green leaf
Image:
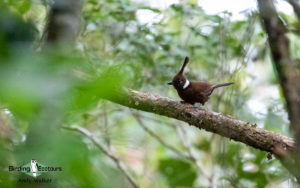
(179, 173)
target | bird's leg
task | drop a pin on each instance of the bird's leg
(197, 105)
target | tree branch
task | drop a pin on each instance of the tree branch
(97, 142)
(223, 125)
(187, 145)
(160, 140)
(182, 137)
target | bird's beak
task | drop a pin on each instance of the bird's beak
(170, 83)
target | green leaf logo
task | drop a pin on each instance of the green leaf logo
(33, 168)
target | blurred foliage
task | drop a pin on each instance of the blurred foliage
(178, 173)
(125, 43)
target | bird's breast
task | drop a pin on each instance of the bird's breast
(187, 95)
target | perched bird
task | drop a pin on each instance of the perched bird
(193, 92)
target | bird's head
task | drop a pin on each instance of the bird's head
(179, 80)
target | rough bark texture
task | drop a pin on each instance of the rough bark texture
(223, 125)
(288, 72)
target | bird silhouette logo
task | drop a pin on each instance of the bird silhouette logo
(34, 167)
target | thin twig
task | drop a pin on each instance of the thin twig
(108, 153)
(106, 128)
(156, 120)
(159, 139)
(183, 139)
(190, 157)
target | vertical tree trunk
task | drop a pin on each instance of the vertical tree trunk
(63, 21)
(287, 70)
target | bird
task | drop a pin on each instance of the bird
(193, 92)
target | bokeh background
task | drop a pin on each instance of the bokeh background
(139, 44)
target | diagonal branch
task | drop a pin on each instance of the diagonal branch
(183, 139)
(223, 125)
(190, 157)
(97, 142)
(159, 139)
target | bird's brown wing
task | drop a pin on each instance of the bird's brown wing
(204, 88)
(209, 91)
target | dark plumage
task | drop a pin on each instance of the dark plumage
(193, 92)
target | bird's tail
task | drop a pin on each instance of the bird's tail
(222, 85)
(216, 86)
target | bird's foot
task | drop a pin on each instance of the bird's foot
(197, 105)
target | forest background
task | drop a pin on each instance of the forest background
(64, 64)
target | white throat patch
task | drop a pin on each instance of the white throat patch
(187, 83)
